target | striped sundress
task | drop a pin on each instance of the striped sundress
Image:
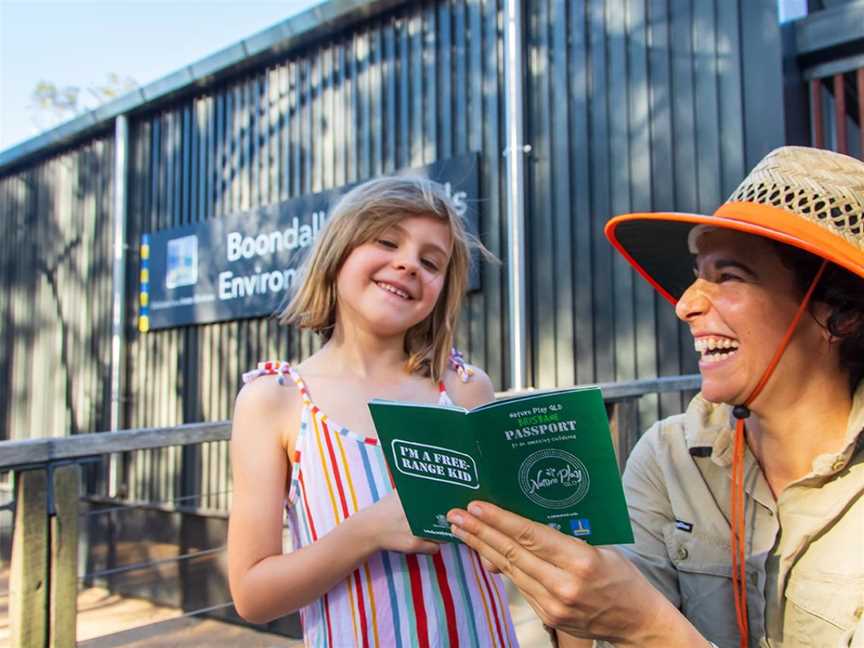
(394, 600)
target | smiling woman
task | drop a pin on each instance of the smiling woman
(747, 510)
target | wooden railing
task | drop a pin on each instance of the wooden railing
(47, 482)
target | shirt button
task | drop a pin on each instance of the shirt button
(682, 553)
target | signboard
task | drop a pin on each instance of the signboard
(244, 264)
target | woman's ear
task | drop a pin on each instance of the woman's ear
(850, 325)
(821, 313)
(836, 328)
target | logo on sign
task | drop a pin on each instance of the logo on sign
(553, 478)
(182, 262)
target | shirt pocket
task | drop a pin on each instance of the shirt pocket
(822, 608)
(705, 584)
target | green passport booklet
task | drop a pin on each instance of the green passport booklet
(546, 456)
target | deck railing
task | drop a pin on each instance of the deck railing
(47, 478)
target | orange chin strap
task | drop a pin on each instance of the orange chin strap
(737, 535)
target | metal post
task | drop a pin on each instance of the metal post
(515, 182)
(118, 327)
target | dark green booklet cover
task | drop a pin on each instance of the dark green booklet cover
(546, 456)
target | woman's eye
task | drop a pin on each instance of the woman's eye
(727, 276)
(387, 243)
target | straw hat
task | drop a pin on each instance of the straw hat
(805, 197)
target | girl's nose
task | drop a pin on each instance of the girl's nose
(693, 302)
(405, 263)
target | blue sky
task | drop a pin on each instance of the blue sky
(80, 42)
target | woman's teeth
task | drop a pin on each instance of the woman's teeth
(714, 349)
(393, 290)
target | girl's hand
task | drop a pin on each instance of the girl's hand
(385, 527)
(579, 589)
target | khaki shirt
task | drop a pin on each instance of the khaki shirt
(805, 567)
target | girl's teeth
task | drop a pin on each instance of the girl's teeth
(393, 290)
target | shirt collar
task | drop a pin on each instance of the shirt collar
(709, 431)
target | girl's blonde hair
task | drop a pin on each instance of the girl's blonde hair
(362, 214)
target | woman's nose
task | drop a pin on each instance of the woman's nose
(693, 302)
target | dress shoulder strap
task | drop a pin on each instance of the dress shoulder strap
(269, 368)
(458, 364)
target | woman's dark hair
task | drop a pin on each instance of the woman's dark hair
(843, 293)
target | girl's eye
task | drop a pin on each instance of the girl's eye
(387, 243)
(431, 265)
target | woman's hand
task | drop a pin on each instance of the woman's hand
(576, 588)
(385, 527)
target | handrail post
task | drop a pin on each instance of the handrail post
(63, 599)
(28, 586)
(44, 579)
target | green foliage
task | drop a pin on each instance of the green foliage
(52, 104)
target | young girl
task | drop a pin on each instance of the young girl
(382, 286)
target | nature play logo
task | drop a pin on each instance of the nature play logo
(554, 478)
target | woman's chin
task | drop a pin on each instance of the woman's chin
(719, 394)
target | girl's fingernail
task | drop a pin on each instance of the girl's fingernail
(456, 531)
(456, 519)
(475, 509)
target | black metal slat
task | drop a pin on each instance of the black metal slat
(187, 152)
(340, 156)
(457, 104)
(561, 196)
(252, 175)
(283, 141)
(363, 108)
(581, 192)
(403, 149)
(683, 120)
(377, 118)
(705, 73)
(662, 177)
(492, 301)
(460, 109)
(604, 352)
(730, 97)
(417, 89)
(308, 152)
(431, 91)
(7, 215)
(645, 323)
(390, 117)
(469, 135)
(761, 51)
(539, 227)
(443, 108)
(325, 119)
(623, 343)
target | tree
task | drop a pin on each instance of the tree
(51, 104)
